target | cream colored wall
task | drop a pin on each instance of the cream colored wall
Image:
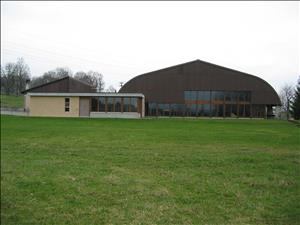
(53, 106)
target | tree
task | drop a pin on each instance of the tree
(296, 102)
(111, 89)
(22, 74)
(91, 77)
(286, 95)
(14, 76)
(51, 75)
(98, 80)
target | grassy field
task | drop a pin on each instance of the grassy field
(151, 171)
(12, 101)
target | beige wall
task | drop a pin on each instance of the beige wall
(53, 106)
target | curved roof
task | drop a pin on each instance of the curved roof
(168, 85)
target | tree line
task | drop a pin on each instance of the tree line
(15, 75)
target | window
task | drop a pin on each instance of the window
(152, 109)
(94, 104)
(190, 97)
(101, 104)
(110, 104)
(126, 104)
(118, 104)
(67, 104)
(133, 105)
(204, 96)
(163, 109)
(228, 96)
(191, 110)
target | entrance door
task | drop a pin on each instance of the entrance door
(84, 106)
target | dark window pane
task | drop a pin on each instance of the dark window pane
(241, 110)
(220, 110)
(206, 110)
(191, 110)
(163, 109)
(117, 104)
(228, 110)
(133, 105)
(94, 104)
(241, 96)
(247, 110)
(204, 95)
(234, 110)
(217, 95)
(190, 97)
(228, 96)
(126, 104)
(102, 104)
(247, 96)
(152, 109)
(67, 104)
(214, 110)
(258, 111)
(177, 109)
(234, 96)
(110, 104)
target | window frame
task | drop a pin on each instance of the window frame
(67, 104)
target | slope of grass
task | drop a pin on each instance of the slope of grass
(12, 101)
(151, 171)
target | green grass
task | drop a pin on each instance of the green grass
(151, 171)
(12, 101)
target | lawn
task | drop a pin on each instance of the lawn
(150, 171)
(12, 101)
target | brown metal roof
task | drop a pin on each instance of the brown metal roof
(168, 85)
(63, 85)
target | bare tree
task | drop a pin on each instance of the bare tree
(14, 76)
(91, 77)
(110, 89)
(51, 75)
(98, 80)
(286, 96)
(22, 74)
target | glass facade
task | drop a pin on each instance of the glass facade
(208, 103)
(114, 104)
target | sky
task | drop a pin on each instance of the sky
(125, 39)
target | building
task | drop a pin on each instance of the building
(68, 97)
(195, 88)
(200, 88)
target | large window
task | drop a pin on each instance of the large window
(114, 104)
(217, 103)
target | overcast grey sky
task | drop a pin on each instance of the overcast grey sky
(124, 39)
